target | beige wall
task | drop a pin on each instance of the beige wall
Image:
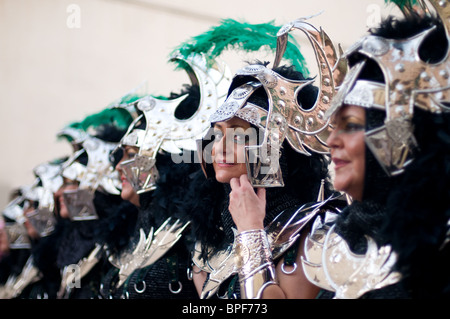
(55, 69)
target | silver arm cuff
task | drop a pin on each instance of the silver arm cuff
(254, 263)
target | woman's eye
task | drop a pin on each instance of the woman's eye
(240, 139)
(131, 155)
(217, 135)
(353, 127)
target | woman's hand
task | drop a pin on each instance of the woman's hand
(247, 208)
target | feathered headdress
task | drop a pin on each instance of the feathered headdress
(235, 35)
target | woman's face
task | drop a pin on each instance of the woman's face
(228, 152)
(128, 193)
(348, 150)
(68, 184)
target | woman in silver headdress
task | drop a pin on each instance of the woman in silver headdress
(390, 147)
(156, 162)
(264, 159)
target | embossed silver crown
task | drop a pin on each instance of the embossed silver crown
(163, 130)
(409, 82)
(305, 129)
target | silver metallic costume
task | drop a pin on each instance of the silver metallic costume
(42, 219)
(410, 83)
(253, 252)
(165, 133)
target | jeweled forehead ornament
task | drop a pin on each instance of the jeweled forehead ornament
(163, 130)
(409, 82)
(305, 129)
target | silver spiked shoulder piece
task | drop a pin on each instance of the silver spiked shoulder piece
(330, 264)
(148, 249)
(84, 266)
(15, 285)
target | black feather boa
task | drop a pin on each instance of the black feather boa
(418, 211)
(113, 228)
(167, 200)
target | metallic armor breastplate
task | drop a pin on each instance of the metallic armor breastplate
(330, 264)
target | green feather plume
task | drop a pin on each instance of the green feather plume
(231, 34)
(401, 3)
(118, 117)
(405, 6)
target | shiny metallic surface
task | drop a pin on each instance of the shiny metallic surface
(330, 264)
(306, 129)
(163, 130)
(149, 248)
(410, 82)
(254, 263)
(282, 233)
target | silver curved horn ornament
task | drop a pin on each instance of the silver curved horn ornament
(213, 78)
(309, 127)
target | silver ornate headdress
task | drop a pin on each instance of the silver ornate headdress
(89, 164)
(48, 181)
(305, 129)
(163, 130)
(409, 82)
(97, 174)
(74, 136)
(14, 222)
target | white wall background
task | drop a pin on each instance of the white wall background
(61, 60)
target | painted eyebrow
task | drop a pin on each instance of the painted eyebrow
(347, 117)
(232, 126)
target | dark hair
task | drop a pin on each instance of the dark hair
(418, 209)
(434, 47)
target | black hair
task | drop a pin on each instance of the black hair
(419, 212)
(434, 47)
